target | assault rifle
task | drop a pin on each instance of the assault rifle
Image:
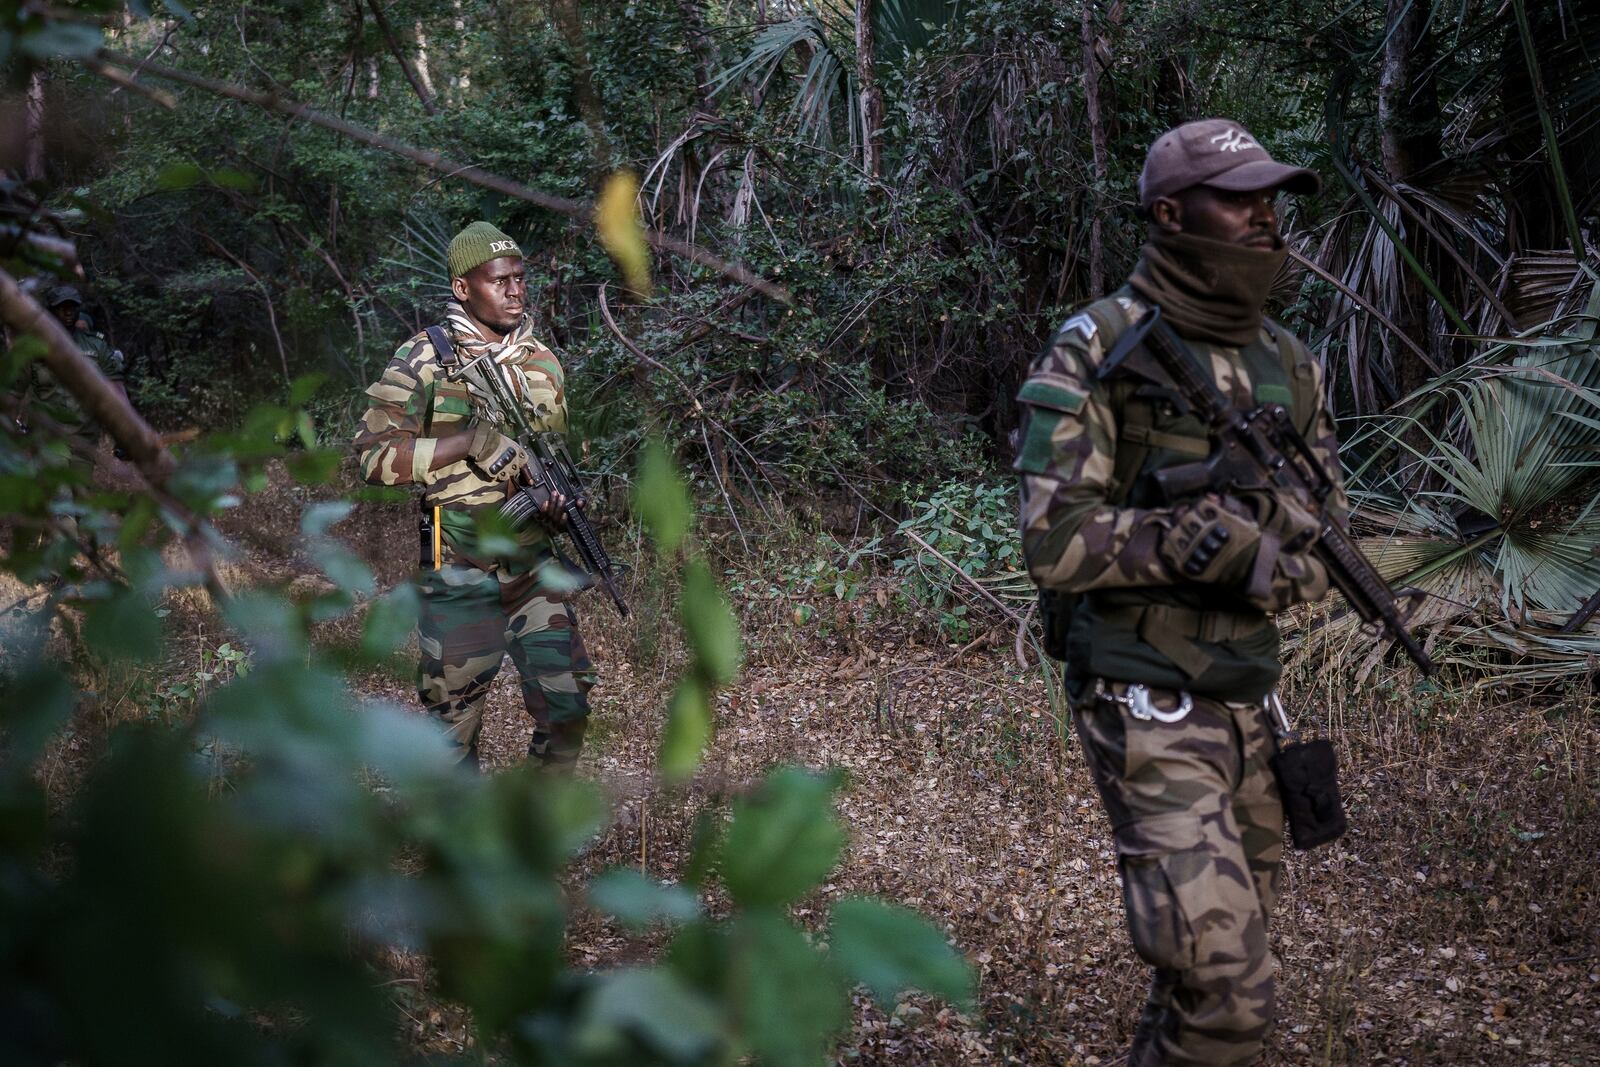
(550, 472)
(1260, 450)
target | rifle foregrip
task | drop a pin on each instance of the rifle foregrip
(1365, 589)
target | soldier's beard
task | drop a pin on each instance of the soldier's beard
(1209, 290)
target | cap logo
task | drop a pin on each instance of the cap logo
(502, 246)
(1233, 141)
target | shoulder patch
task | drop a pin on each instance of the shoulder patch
(1081, 324)
(1053, 391)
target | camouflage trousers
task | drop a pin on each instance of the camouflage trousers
(471, 619)
(1198, 826)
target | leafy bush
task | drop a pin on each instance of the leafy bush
(972, 525)
(225, 890)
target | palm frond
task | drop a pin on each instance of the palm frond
(1503, 538)
(824, 76)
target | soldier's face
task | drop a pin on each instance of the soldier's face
(68, 315)
(1248, 218)
(495, 294)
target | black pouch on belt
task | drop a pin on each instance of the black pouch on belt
(425, 536)
(1308, 778)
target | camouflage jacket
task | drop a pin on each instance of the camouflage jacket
(414, 404)
(1084, 533)
(53, 399)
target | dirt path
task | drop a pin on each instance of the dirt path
(1456, 924)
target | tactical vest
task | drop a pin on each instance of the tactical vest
(1201, 639)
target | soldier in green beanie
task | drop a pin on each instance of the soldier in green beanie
(424, 428)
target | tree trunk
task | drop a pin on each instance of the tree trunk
(1098, 154)
(700, 47)
(400, 58)
(1409, 131)
(33, 161)
(568, 16)
(867, 89)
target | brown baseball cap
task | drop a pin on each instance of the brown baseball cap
(1219, 153)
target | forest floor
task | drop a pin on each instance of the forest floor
(1458, 922)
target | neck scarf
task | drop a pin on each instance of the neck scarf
(1209, 290)
(510, 354)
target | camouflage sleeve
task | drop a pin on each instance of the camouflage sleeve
(1072, 538)
(108, 359)
(388, 444)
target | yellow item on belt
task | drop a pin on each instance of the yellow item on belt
(438, 553)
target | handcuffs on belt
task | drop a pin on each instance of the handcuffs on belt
(1137, 700)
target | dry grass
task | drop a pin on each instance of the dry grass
(1456, 924)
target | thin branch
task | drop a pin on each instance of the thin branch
(266, 295)
(400, 57)
(101, 401)
(442, 164)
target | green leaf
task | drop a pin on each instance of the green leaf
(688, 728)
(227, 178)
(124, 626)
(654, 1007)
(344, 568)
(318, 466)
(638, 901)
(175, 176)
(389, 622)
(34, 704)
(271, 624)
(890, 949)
(792, 1003)
(406, 748)
(64, 40)
(305, 387)
(321, 517)
(493, 535)
(661, 499)
(709, 625)
(784, 838)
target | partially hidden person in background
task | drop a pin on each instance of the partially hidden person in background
(1162, 607)
(65, 302)
(427, 429)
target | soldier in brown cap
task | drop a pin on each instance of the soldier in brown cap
(1161, 608)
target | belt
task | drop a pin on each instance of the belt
(1173, 630)
(1212, 626)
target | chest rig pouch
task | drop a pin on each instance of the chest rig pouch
(1155, 429)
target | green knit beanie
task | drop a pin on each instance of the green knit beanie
(477, 245)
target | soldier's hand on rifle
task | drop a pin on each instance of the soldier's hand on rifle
(495, 454)
(553, 511)
(1212, 541)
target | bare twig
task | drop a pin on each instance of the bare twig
(266, 295)
(695, 406)
(436, 162)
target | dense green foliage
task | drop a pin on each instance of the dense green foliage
(230, 251)
(223, 888)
